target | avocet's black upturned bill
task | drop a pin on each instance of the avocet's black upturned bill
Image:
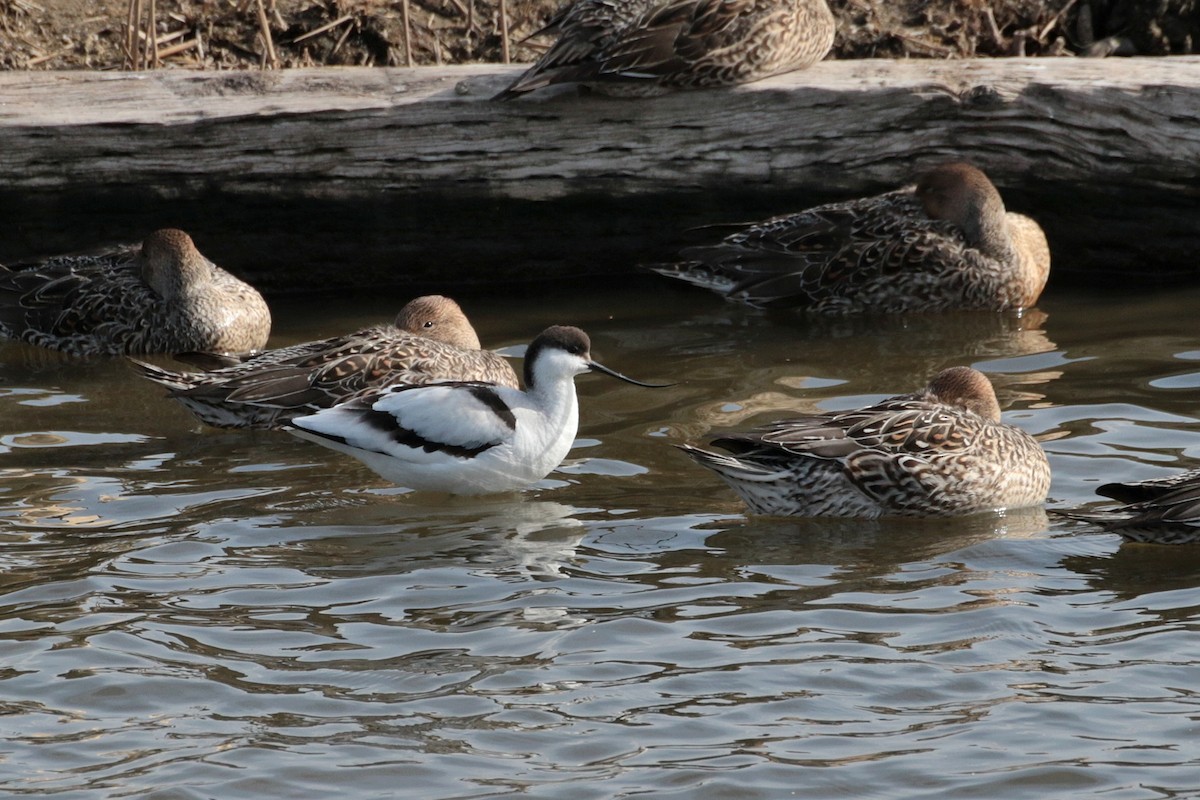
(1155, 511)
(937, 452)
(468, 437)
(944, 243)
(431, 341)
(161, 297)
(648, 47)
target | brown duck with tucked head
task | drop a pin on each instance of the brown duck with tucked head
(161, 297)
(940, 451)
(649, 47)
(431, 341)
(943, 243)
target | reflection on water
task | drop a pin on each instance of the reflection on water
(198, 613)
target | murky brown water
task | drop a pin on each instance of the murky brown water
(189, 613)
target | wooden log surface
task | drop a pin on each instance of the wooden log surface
(310, 178)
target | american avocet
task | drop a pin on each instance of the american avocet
(943, 243)
(431, 341)
(648, 47)
(937, 452)
(467, 437)
(161, 297)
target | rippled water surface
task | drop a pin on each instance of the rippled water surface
(192, 613)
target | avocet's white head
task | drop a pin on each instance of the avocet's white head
(562, 351)
(558, 352)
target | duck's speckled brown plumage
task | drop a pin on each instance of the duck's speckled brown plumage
(943, 243)
(938, 452)
(161, 297)
(431, 341)
(647, 47)
(1155, 511)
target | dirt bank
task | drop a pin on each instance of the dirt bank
(199, 34)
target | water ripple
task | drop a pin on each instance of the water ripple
(197, 614)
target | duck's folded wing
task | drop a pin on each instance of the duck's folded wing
(32, 300)
(800, 258)
(669, 37)
(1151, 489)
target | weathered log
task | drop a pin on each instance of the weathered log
(414, 175)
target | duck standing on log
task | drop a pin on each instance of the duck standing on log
(944, 243)
(161, 297)
(649, 47)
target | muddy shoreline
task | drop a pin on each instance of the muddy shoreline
(190, 34)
